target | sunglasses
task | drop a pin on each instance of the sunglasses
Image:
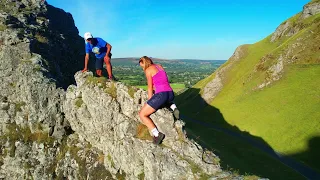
(140, 60)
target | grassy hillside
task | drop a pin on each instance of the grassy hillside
(285, 113)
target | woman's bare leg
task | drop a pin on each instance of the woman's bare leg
(144, 114)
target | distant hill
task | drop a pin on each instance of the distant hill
(134, 61)
(270, 89)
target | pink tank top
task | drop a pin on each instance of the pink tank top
(160, 81)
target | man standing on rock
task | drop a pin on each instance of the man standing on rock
(102, 51)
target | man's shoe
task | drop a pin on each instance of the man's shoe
(113, 78)
(176, 113)
(158, 140)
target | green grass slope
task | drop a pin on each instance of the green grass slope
(286, 112)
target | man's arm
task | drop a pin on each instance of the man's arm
(107, 57)
(108, 48)
(86, 60)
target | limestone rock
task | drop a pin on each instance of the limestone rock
(107, 117)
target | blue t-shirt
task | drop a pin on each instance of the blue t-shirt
(99, 48)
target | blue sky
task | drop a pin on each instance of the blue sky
(177, 29)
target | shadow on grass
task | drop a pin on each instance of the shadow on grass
(239, 151)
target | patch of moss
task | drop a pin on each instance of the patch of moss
(18, 106)
(100, 172)
(7, 6)
(112, 90)
(26, 61)
(3, 27)
(251, 177)
(71, 89)
(79, 102)
(111, 161)
(36, 68)
(141, 176)
(16, 133)
(100, 158)
(313, 1)
(41, 38)
(99, 81)
(73, 150)
(27, 165)
(132, 90)
(83, 171)
(121, 176)
(12, 85)
(181, 135)
(143, 133)
(195, 169)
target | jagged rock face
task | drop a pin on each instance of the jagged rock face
(35, 59)
(31, 96)
(310, 10)
(212, 88)
(107, 116)
(36, 156)
(33, 27)
(36, 56)
(293, 26)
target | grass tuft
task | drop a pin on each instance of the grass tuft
(41, 38)
(132, 90)
(143, 133)
(79, 102)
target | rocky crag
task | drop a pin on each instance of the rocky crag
(51, 128)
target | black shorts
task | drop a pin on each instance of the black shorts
(99, 62)
(161, 100)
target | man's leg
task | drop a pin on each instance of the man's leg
(109, 67)
(99, 66)
(99, 72)
(173, 107)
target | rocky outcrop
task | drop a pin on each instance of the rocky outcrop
(301, 50)
(286, 29)
(106, 114)
(36, 58)
(310, 9)
(212, 88)
(33, 27)
(295, 24)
